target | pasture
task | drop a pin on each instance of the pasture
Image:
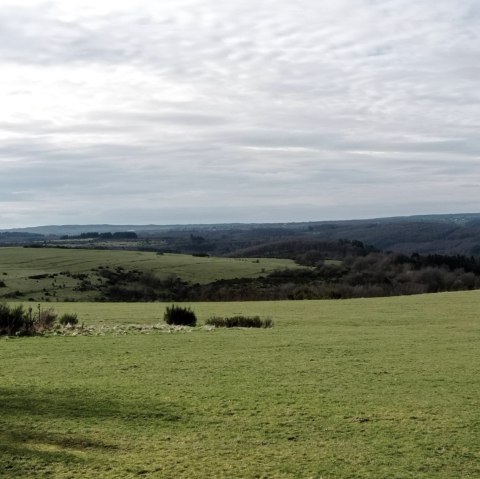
(369, 388)
(57, 273)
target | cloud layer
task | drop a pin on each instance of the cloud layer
(202, 111)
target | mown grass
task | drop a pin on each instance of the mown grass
(18, 265)
(377, 388)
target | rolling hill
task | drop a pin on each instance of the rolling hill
(426, 234)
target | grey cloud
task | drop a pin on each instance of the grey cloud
(34, 36)
(169, 116)
(304, 109)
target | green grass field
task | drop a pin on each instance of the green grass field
(372, 388)
(18, 265)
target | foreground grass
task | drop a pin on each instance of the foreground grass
(20, 268)
(371, 388)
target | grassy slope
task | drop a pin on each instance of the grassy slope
(20, 263)
(337, 389)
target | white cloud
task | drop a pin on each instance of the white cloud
(195, 110)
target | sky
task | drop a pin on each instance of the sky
(201, 111)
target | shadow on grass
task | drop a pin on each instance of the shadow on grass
(41, 427)
(78, 404)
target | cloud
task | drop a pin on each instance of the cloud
(194, 110)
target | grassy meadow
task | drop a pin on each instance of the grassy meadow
(368, 388)
(53, 273)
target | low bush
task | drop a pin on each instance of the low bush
(45, 320)
(68, 318)
(14, 320)
(180, 316)
(240, 322)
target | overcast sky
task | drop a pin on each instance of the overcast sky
(203, 111)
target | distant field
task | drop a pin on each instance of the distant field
(18, 265)
(377, 388)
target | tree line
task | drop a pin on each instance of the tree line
(103, 236)
(371, 275)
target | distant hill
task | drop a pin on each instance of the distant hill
(61, 230)
(427, 236)
(448, 234)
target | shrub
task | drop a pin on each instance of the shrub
(68, 318)
(45, 320)
(268, 323)
(240, 321)
(14, 320)
(180, 316)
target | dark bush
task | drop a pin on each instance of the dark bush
(14, 320)
(39, 276)
(180, 316)
(240, 322)
(13, 294)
